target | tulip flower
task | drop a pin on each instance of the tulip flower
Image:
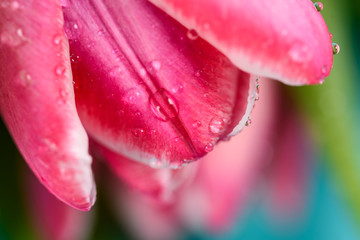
(155, 88)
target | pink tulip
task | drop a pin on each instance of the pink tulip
(219, 187)
(139, 82)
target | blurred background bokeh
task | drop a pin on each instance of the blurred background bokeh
(329, 205)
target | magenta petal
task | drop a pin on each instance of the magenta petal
(153, 94)
(37, 99)
(281, 39)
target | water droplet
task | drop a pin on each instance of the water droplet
(197, 73)
(132, 96)
(300, 53)
(177, 139)
(75, 58)
(336, 48)
(248, 122)
(142, 72)
(138, 132)
(26, 79)
(57, 39)
(209, 147)
(196, 124)
(63, 96)
(319, 6)
(331, 35)
(217, 125)
(101, 32)
(192, 34)
(116, 72)
(71, 30)
(12, 36)
(163, 105)
(60, 70)
(156, 65)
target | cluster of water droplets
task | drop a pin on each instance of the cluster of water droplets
(319, 7)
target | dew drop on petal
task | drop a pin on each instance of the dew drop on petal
(331, 35)
(138, 132)
(25, 78)
(60, 70)
(163, 105)
(57, 39)
(132, 96)
(192, 34)
(336, 48)
(319, 6)
(156, 65)
(209, 147)
(63, 96)
(196, 124)
(217, 125)
(248, 122)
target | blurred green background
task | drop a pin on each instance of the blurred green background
(332, 115)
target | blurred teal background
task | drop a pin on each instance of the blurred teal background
(332, 114)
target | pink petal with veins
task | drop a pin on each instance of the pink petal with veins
(153, 94)
(37, 99)
(280, 39)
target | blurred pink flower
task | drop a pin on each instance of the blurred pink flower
(148, 89)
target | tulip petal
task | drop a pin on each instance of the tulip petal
(52, 218)
(280, 39)
(161, 185)
(227, 175)
(154, 94)
(37, 99)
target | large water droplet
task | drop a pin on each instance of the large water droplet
(319, 6)
(163, 105)
(209, 147)
(217, 125)
(336, 48)
(192, 34)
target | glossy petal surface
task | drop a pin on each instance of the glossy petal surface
(154, 94)
(37, 99)
(280, 39)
